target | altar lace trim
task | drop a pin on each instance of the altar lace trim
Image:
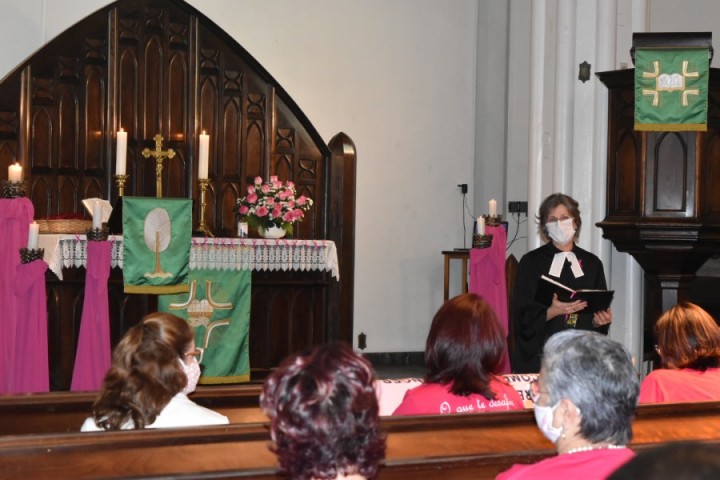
(68, 251)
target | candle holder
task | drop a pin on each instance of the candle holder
(203, 228)
(13, 189)
(28, 255)
(98, 234)
(120, 182)
(493, 220)
(482, 241)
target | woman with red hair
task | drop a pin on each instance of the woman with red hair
(464, 348)
(688, 344)
(323, 411)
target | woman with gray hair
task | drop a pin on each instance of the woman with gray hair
(585, 399)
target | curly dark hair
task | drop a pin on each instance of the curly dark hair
(465, 345)
(145, 373)
(324, 414)
(688, 337)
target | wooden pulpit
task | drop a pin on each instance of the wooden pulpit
(663, 196)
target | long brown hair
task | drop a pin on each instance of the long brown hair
(145, 372)
(465, 346)
(688, 337)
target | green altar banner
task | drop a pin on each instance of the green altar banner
(671, 89)
(156, 244)
(218, 308)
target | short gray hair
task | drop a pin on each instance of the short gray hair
(598, 376)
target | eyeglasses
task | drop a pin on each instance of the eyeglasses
(535, 391)
(192, 353)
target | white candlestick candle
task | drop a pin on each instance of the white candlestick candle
(493, 207)
(97, 216)
(203, 155)
(33, 236)
(121, 153)
(15, 173)
(481, 225)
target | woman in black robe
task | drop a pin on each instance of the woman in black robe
(561, 260)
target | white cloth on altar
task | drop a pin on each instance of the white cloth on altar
(70, 251)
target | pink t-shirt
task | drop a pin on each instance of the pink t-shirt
(590, 465)
(436, 399)
(682, 385)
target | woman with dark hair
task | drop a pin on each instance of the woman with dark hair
(688, 344)
(323, 412)
(562, 260)
(585, 399)
(153, 369)
(464, 347)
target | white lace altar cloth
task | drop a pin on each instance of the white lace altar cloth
(68, 251)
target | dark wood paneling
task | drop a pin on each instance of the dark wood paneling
(663, 201)
(161, 67)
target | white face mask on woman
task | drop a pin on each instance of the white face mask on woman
(561, 232)
(192, 372)
(544, 419)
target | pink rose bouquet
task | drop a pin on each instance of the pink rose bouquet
(272, 203)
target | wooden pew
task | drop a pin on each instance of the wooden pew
(66, 411)
(454, 447)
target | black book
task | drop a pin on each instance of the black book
(596, 299)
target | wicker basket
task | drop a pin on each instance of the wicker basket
(64, 226)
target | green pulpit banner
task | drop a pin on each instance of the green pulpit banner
(671, 89)
(218, 308)
(156, 244)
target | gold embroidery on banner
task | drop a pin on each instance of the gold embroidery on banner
(670, 82)
(571, 320)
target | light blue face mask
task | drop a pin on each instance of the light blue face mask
(544, 419)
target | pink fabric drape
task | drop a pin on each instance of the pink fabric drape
(92, 358)
(15, 217)
(487, 279)
(31, 371)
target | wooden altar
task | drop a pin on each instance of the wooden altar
(162, 67)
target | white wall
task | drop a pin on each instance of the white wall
(390, 73)
(399, 78)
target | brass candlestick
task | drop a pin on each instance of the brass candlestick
(203, 227)
(98, 234)
(159, 156)
(482, 241)
(28, 255)
(120, 182)
(13, 189)
(493, 220)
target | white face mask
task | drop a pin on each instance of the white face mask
(561, 232)
(544, 419)
(192, 372)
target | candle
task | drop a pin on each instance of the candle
(33, 236)
(493, 207)
(203, 155)
(481, 225)
(97, 216)
(15, 173)
(121, 152)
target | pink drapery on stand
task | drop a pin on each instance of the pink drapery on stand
(487, 279)
(30, 369)
(15, 217)
(92, 358)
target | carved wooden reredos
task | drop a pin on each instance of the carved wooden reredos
(160, 66)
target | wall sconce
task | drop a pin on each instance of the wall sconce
(584, 74)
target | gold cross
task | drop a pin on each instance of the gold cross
(159, 155)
